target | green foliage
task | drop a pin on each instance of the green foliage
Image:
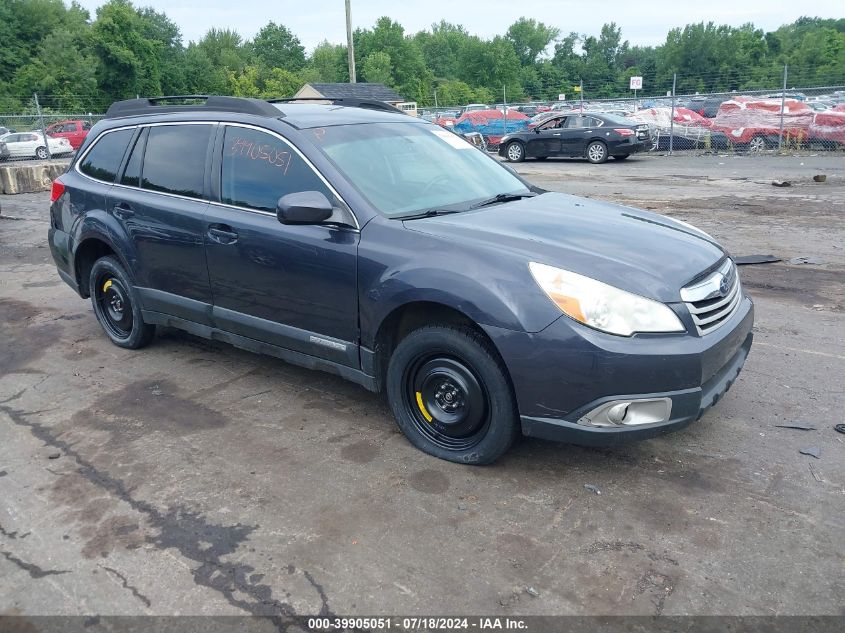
(276, 47)
(54, 49)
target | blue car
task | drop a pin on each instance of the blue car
(351, 238)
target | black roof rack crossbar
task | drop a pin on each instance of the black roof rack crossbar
(349, 102)
(202, 103)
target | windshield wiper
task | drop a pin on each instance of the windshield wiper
(429, 213)
(503, 197)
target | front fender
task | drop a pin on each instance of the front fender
(397, 267)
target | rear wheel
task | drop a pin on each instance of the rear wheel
(41, 153)
(116, 305)
(621, 157)
(451, 396)
(596, 152)
(515, 152)
(757, 144)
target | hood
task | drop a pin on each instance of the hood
(641, 252)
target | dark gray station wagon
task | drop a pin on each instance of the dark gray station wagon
(357, 240)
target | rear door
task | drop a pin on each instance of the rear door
(576, 134)
(160, 199)
(290, 286)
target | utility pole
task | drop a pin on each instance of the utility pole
(782, 106)
(435, 98)
(350, 49)
(43, 129)
(672, 116)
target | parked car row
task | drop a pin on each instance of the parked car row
(63, 138)
(32, 145)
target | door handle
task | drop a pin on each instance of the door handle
(556, 134)
(122, 211)
(222, 234)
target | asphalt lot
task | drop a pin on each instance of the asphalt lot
(195, 478)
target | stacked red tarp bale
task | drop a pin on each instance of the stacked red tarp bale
(744, 118)
(828, 127)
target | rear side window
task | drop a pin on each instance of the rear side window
(259, 168)
(174, 161)
(103, 160)
(132, 173)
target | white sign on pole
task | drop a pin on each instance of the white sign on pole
(636, 83)
(561, 97)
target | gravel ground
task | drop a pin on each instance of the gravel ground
(194, 478)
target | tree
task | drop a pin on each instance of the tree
(376, 68)
(329, 63)
(128, 62)
(530, 38)
(276, 47)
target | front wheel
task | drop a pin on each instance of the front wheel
(450, 395)
(596, 152)
(116, 305)
(515, 152)
(41, 153)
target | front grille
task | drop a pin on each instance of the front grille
(711, 302)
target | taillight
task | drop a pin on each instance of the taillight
(57, 190)
(623, 131)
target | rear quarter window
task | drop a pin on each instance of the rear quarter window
(104, 158)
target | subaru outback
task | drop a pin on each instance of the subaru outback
(350, 238)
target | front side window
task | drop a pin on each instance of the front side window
(259, 168)
(174, 160)
(407, 168)
(104, 158)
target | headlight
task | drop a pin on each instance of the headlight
(602, 306)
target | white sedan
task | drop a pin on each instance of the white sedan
(31, 145)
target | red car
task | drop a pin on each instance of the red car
(73, 131)
(755, 124)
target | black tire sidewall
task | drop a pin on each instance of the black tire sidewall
(141, 333)
(471, 349)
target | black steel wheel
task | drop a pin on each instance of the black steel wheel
(451, 395)
(116, 305)
(447, 402)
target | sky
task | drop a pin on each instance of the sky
(642, 22)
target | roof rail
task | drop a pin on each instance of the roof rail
(349, 102)
(201, 103)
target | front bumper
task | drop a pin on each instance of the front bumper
(568, 370)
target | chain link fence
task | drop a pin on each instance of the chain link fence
(796, 120)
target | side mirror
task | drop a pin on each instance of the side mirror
(304, 207)
(537, 130)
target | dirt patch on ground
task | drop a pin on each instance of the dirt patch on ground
(147, 406)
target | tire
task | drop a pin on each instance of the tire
(757, 144)
(117, 306)
(451, 396)
(597, 152)
(515, 152)
(621, 157)
(41, 153)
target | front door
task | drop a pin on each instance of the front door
(546, 141)
(292, 286)
(160, 198)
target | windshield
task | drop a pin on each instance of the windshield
(406, 168)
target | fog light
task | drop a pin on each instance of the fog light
(629, 413)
